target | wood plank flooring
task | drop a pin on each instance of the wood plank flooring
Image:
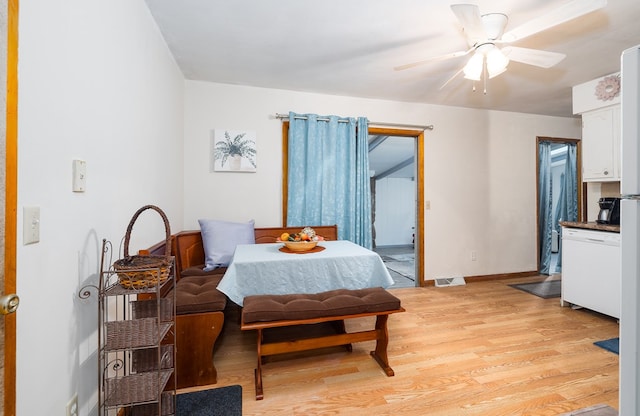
(480, 349)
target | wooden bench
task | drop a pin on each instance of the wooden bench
(270, 312)
(200, 307)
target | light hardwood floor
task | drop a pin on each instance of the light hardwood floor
(479, 349)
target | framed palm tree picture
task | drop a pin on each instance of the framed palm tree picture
(233, 150)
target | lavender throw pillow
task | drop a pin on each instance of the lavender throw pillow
(220, 238)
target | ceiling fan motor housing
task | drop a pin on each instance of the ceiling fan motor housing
(494, 25)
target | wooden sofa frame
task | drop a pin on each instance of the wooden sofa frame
(189, 251)
(197, 333)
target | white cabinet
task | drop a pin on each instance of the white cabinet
(591, 270)
(601, 145)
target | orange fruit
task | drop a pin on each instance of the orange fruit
(284, 237)
(304, 237)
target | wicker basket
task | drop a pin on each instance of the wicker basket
(140, 272)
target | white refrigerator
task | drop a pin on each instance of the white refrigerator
(630, 233)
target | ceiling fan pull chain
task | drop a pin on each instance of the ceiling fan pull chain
(484, 76)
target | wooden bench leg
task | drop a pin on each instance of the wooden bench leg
(382, 341)
(341, 329)
(196, 335)
(258, 371)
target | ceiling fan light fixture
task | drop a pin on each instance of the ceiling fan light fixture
(494, 24)
(496, 62)
(473, 69)
(495, 73)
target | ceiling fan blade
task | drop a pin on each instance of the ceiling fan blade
(469, 17)
(543, 59)
(433, 59)
(564, 13)
(452, 78)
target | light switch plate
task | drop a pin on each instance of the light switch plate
(31, 225)
(79, 175)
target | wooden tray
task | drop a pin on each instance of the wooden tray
(316, 249)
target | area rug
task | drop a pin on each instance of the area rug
(597, 410)
(546, 290)
(222, 401)
(403, 257)
(612, 345)
(405, 268)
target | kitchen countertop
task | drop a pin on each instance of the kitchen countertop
(591, 226)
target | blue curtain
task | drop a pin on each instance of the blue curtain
(567, 208)
(561, 208)
(328, 175)
(545, 208)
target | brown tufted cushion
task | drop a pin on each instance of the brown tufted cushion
(265, 308)
(198, 271)
(195, 294)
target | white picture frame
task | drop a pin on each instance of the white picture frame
(233, 150)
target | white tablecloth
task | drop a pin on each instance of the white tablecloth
(259, 269)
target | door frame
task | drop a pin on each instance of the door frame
(418, 136)
(11, 201)
(579, 186)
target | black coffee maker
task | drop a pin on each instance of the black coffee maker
(609, 211)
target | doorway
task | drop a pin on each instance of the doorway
(393, 218)
(397, 169)
(558, 197)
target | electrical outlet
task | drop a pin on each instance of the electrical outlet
(474, 256)
(72, 406)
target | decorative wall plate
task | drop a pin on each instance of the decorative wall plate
(608, 88)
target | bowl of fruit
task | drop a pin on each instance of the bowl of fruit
(305, 240)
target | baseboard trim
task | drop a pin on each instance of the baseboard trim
(500, 276)
(487, 277)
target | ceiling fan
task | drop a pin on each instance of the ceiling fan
(486, 32)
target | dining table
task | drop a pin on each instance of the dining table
(271, 269)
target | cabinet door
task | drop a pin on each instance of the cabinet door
(600, 145)
(591, 270)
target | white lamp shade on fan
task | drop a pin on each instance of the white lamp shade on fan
(473, 69)
(496, 62)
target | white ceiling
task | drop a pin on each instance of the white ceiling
(350, 47)
(389, 159)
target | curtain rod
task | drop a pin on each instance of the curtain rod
(412, 126)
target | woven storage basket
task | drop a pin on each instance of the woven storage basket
(139, 272)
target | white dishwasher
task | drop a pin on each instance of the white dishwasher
(591, 270)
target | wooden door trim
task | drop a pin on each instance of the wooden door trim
(419, 230)
(11, 194)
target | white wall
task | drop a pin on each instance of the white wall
(480, 173)
(97, 83)
(510, 243)
(395, 216)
